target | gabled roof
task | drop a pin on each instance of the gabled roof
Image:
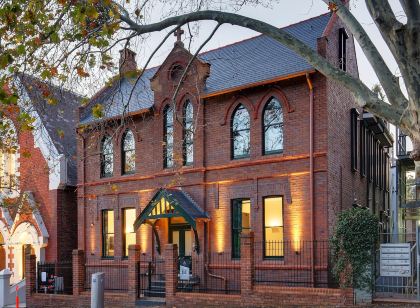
(247, 62)
(168, 203)
(59, 119)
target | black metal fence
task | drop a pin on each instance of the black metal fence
(116, 273)
(55, 277)
(210, 273)
(151, 277)
(292, 263)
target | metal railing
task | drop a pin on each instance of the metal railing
(55, 277)
(292, 263)
(151, 277)
(116, 274)
(210, 273)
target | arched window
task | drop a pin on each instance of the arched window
(273, 127)
(8, 157)
(240, 132)
(168, 137)
(188, 133)
(107, 157)
(128, 153)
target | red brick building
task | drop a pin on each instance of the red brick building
(257, 140)
(38, 180)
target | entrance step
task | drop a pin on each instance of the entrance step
(150, 302)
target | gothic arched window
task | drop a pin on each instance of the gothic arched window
(241, 125)
(188, 133)
(273, 127)
(107, 157)
(168, 137)
(128, 153)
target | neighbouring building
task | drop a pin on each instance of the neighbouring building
(38, 177)
(256, 140)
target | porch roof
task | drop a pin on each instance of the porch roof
(167, 203)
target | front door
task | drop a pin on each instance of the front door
(183, 237)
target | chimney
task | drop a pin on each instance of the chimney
(127, 61)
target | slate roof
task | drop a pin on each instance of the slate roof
(246, 62)
(60, 119)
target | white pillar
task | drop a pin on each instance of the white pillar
(5, 287)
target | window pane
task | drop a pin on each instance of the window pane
(241, 144)
(107, 157)
(241, 210)
(129, 218)
(246, 213)
(241, 119)
(273, 138)
(168, 138)
(108, 233)
(273, 212)
(188, 134)
(274, 242)
(273, 226)
(129, 161)
(128, 141)
(273, 126)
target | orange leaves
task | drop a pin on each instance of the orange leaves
(81, 72)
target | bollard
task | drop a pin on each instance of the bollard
(17, 296)
(97, 290)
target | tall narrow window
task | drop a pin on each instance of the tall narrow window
(241, 222)
(168, 137)
(188, 134)
(107, 157)
(8, 158)
(128, 153)
(342, 47)
(240, 133)
(354, 114)
(273, 227)
(107, 233)
(273, 127)
(129, 235)
(362, 150)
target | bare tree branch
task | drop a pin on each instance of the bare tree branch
(387, 79)
(364, 96)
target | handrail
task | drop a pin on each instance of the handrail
(206, 267)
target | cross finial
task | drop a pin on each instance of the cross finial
(178, 34)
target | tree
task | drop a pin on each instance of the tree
(58, 39)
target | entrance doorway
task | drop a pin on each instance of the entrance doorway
(180, 233)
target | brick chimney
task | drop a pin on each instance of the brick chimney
(127, 61)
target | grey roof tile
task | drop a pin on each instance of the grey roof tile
(246, 62)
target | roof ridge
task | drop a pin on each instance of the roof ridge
(254, 37)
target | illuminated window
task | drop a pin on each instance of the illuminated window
(107, 157)
(129, 235)
(107, 233)
(241, 124)
(188, 133)
(168, 137)
(273, 127)
(128, 153)
(241, 222)
(273, 227)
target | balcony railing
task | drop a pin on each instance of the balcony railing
(404, 146)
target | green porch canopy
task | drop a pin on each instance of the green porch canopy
(167, 203)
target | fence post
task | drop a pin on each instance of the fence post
(171, 271)
(247, 262)
(78, 271)
(30, 271)
(133, 277)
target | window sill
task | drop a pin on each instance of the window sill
(241, 157)
(273, 153)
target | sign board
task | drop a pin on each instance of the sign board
(184, 272)
(395, 260)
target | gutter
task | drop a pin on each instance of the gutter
(311, 173)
